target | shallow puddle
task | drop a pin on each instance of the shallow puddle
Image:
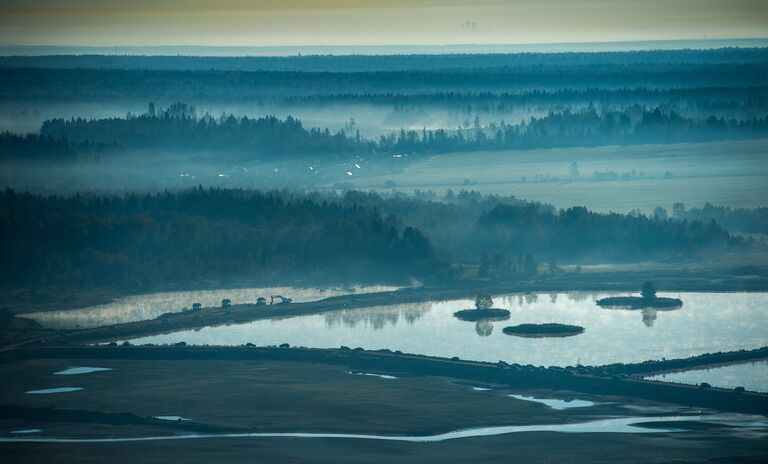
(614, 425)
(81, 370)
(555, 403)
(381, 376)
(48, 391)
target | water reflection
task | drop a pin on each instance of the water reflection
(529, 298)
(484, 328)
(751, 375)
(577, 297)
(149, 306)
(649, 316)
(377, 317)
(709, 322)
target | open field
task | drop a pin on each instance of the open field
(723, 173)
(266, 395)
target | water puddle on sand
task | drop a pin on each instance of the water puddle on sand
(381, 376)
(555, 403)
(473, 387)
(77, 370)
(48, 391)
(613, 425)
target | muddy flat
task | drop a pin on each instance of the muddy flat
(268, 396)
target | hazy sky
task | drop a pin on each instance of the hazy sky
(327, 22)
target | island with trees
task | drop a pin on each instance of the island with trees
(543, 330)
(483, 311)
(647, 299)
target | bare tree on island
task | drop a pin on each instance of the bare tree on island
(483, 301)
(648, 291)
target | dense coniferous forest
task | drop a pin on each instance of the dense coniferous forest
(687, 100)
(370, 63)
(73, 84)
(36, 147)
(267, 137)
(178, 128)
(145, 241)
(151, 240)
(578, 232)
(746, 220)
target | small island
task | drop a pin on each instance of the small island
(484, 311)
(543, 330)
(647, 299)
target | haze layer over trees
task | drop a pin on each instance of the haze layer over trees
(149, 172)
(152, 240)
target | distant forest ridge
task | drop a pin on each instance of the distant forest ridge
(411, 59)
(178, 127)
(701, 98)
(80, 83)
(296, 50)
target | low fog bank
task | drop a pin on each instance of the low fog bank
(383, 58)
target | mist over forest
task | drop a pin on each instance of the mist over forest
(330, 127)
(134, 152)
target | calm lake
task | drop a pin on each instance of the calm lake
(752, 376)
(707, 322)
(149, 306)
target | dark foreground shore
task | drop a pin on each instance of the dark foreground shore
(609, 380)
(251, 390)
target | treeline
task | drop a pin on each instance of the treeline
(587, 127)
(179, 128)
(514, 233)
(710, 99)
(580, 233)
(745, 220)
(153, 241)
(147, 241)
(384, 62)
(121, 84)
(511, 231)
(36, 147)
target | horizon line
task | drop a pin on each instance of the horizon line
(701, 42)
